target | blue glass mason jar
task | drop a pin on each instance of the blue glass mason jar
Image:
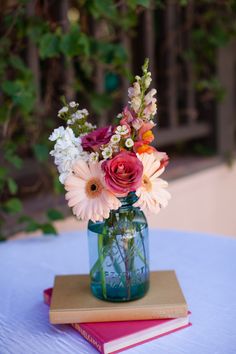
(119, 254)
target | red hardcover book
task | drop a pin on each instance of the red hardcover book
(124, 335)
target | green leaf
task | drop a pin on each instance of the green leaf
(37, 29)
(13, 159)
(144, 3)
(105, 8)
(32, 226)
(41, 152)
(57, 186)
(75, 43)
(84, 43)
(12, 185)
(70, 45)
(49, 46)
(10, 87)
(3, 173)
(183, 2)
(100, 102)
(48, 229)
(18, 64)
(24, 218)
(22, 93)
(4, 113)
(54, 214)
(13, 205)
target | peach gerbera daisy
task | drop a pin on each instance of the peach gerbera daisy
(87, 193)
(152, 193)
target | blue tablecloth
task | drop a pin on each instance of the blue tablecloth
(205, 266)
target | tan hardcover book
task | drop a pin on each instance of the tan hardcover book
(72, 301)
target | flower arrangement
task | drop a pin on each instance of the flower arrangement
(98, 166)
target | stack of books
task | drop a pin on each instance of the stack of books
(113, 327)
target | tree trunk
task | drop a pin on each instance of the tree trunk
(171, 64)
(191, 104)
(149, 30)
(125, 39)
(69, 74)
(33, 59)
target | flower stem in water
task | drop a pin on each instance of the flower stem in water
(101, 260)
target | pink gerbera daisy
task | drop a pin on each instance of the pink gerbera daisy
(87, 193)
(152, 193)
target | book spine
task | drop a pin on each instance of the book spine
(110, 315)
(89, 337)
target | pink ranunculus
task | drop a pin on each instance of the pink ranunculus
(101, 136)
(123, 173)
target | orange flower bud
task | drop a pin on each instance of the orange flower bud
(145, 148)
(148, 136)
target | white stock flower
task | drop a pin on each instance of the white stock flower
(62, 177)
(67, 150)
(122, 130)
(62, 110)
(77, 116)
(73, 104)
(84, 111)
(129, 143)
(115, 139)
(80, 114)
(57, 133)
(90, 126)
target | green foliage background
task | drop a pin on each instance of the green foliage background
(26, 119)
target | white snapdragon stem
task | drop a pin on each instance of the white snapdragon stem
(149, 96)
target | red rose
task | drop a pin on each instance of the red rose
(123, 173)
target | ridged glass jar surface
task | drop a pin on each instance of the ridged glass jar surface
(119, 255)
